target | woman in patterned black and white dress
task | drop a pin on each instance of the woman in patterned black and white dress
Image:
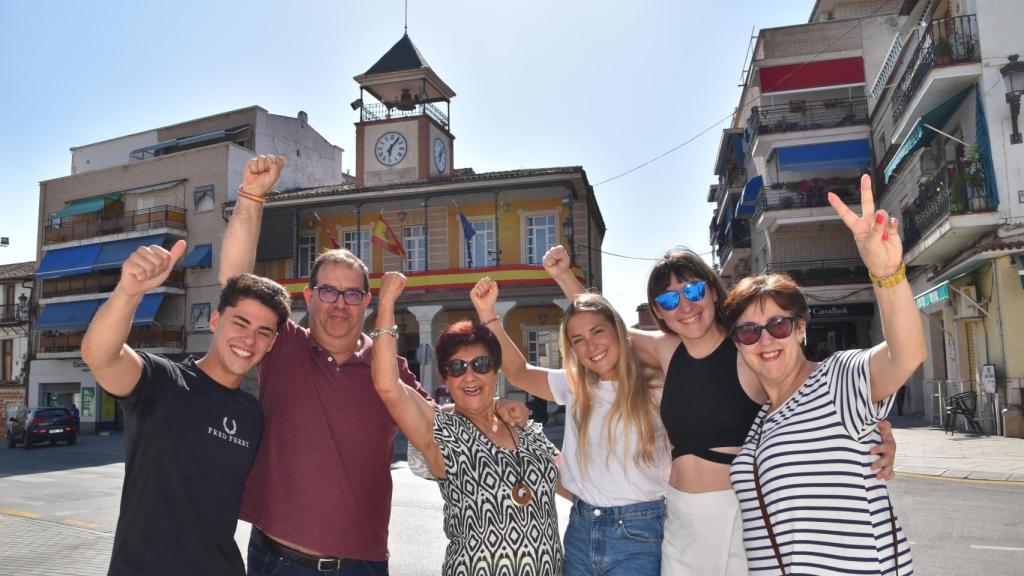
(498, 484)
(810, 502)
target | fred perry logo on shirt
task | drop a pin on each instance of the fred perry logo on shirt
(228, 434)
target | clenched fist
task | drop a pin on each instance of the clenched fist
(391, 286)
(484, 295)
(148, 267)
(261, 173)
(556, 261)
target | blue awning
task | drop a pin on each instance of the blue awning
(85, 206)
(68, 261)
(113, 254)
(200, 257)
(146, 311)
(66, 315)
(920, 135)
(748, 201)
(827, 156)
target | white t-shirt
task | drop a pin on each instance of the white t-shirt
(610, 477)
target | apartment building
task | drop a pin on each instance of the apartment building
(153, 187)
(453, 225)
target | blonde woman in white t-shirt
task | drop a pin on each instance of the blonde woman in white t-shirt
(615, 459)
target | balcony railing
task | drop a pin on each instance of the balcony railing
(950, 192)
(96, 283)
(738, 236)
(140, 338)
(809, 115)
(377, 111)
(822, 272)
(137, 220)
(945, 42)
(12, 314)
(810, 193)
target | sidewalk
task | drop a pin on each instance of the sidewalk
(923, 449)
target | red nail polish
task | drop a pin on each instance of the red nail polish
(885, 235)
(879, 218)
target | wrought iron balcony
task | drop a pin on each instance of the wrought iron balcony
(377, 111)
(140, 338)
(800, 115)
(822, 272)
(945, 42)
(950, 192)
(13, 313)
(810, 193)
(736, 236)
(138, 220)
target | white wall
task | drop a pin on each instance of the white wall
(312, 160)
(109, 153)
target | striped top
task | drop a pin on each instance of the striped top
(829, 513)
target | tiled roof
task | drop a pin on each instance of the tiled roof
(16, 271)
(402, 56)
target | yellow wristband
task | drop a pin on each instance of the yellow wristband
(890, 280)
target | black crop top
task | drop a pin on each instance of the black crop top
(704, 406)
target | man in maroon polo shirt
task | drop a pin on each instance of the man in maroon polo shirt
(319, 493)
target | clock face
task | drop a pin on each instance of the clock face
(440, 155)
(390, 148)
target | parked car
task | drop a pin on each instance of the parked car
(49, 424)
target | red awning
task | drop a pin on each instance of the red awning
(818, 74)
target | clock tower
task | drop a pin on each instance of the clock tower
(404, 136)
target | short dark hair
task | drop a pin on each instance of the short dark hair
(340, 256)
(263, 290)
(461, 334)
(681, 263)
(778, 288)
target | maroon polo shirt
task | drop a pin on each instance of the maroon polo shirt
(322, 475)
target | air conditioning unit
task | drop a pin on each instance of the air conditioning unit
(967, 303)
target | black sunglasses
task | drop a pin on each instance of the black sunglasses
(329, 295)
(778, 327)
(480, 364)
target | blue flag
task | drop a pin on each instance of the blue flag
(467, 229)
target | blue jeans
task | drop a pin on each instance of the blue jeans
(614, 541)
(263, 562)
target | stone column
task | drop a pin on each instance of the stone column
(425, 317)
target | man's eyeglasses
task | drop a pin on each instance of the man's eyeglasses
(694, 292)
(778, 327)
(329, 295)
(480, 364)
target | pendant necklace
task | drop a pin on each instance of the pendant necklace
(520, 494)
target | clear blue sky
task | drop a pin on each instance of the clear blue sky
(602, 84)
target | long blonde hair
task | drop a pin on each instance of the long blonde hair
(635, 402)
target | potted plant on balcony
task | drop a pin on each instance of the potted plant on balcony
(943, 52)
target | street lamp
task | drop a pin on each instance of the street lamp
(567, 228)
(1013, 76)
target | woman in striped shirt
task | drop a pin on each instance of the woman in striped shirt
(810, 502)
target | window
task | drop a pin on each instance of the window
(201, 316)
(482, 244)
(540, 235)
(415, 248)
(307, 254)
(542, 348)
(202, 198)
(8, 362)
(362, 250)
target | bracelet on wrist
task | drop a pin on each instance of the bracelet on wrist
(486, 322)
(248, 196)
(890, 280)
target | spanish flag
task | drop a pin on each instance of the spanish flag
(384, 237)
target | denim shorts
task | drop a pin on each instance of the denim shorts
(615, 540)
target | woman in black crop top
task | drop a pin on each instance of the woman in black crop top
(708, 405)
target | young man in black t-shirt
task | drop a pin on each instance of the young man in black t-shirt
(190, 433)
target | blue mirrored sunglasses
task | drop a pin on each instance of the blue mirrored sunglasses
(694, 292)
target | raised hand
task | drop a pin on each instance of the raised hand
(877, 235)
(484, 295)
(261, 173)
(556, 261)
(391, 286)
(512, 412)
(148, 267)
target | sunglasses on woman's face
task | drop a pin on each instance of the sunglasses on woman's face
(480, 364)
(778, 327)
(694, 292)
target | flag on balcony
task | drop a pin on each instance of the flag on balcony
(467, 232)
(334, 241)
(384, 237)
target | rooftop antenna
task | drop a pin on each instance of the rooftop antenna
(406, 17)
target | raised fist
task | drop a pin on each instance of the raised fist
(148, 267)
(484, 295)
(391, 286)
(261, 173)
(556, 261)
